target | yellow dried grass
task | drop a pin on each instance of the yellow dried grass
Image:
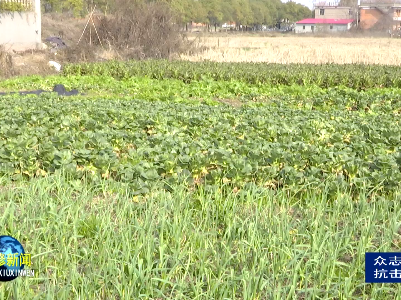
(298, 49)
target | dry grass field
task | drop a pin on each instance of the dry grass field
(299, 49)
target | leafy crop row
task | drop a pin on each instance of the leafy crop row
(379, 100)
(329, 75)
(141, 142)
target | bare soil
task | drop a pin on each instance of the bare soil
(36, 62)
(129, 34)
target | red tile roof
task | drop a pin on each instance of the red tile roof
(325, 21)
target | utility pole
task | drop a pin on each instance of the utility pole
(357, 13)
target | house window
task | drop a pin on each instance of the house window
(350, 12)
(398, 12)
(322, 12)
(331, 26)
(303, 27)
(312, 28)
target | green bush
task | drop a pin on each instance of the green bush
(14, 6)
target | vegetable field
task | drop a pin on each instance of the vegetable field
(209, 181)
(329, 75)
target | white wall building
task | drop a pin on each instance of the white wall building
(323, 25)
(21, 30)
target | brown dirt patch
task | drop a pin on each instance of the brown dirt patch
(145, 39)
(33, 62)
(6, 63)
(29, 62)
(232, 102)
(63, 25)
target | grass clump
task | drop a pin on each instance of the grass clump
(13, 6)
(7, 68)
(96, 241)
(139, 31)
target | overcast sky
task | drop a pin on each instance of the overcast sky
(307, 3)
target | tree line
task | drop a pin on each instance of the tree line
(212, 12)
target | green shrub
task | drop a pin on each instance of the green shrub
(14, 6)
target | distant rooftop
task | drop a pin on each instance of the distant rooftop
(325, 21)
(380, 2)
(326, 3)
(330, 6)
(334, 3)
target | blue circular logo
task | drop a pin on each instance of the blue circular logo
(11, 253)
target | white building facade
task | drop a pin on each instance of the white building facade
(323, 25)
(21, 30)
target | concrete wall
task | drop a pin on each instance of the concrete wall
(374, 18)
(380, 18)
(21, 30)
(304, 28)
(369, 17)
(341, 27)
(333, 13)
(309, 28)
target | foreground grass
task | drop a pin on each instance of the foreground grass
(95, 242)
